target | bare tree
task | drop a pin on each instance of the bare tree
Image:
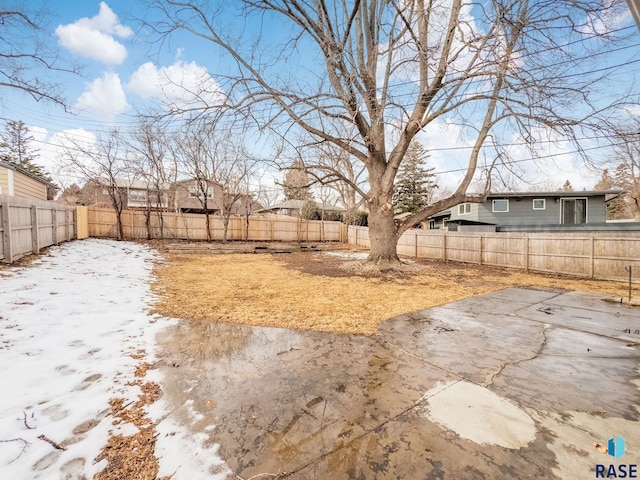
(221, 167)
(25, 49)
(624, 164)
(154, 168)
(390, 68)
(335, 168)
(103, 166)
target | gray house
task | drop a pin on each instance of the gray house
(529, 211)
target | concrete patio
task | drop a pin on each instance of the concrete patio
(514, 384)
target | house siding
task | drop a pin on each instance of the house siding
(27, 187)
(4, 181)
(13, 182)
(471, 216)
(183, 200)
(521, 211)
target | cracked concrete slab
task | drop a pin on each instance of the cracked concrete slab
(554, 372)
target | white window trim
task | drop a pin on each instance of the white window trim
(464, 212)
(586, 209)
(493, 205)
(544, 203)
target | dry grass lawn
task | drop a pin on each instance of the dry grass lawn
(308, 291)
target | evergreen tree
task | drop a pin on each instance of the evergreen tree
(296, 183)
(566, 187)
(15, 149)
(616, 207)
(415, 184)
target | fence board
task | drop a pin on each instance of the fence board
(191, 226)
(28, 225)
(600, 255)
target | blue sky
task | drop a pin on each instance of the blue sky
(121, 70)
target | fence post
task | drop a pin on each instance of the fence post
(6, 231)
(67, 225)
(526, 253)
(35, 247)
(54, 220)
(591, 259)
(481, 241)
(415, 244)
(444, 247)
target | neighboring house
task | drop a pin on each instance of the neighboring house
(288, 207)
(141, 195)
(21, 183)
(188, 197)
(528, 211)
(184, 196)
(294, 207)
(135, 194)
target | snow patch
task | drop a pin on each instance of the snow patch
(69, 324)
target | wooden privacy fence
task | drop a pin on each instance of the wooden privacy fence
(138, 224)
(598, 255)
(27, 225)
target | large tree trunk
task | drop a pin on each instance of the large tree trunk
(382, 234)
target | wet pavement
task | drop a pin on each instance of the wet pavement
(514, 384)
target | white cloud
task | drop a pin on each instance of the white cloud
(181, 85)
(104, 97)
(94, 37)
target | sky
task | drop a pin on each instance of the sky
(70, 328)
(124, 68)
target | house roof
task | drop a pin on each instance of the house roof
(138, 184)
(557, 193)
(298, 205)
(10, 166)
(293, 204)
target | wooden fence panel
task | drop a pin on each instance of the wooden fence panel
(170, 225)
(27, 225)
(601, 255)
(504, 251)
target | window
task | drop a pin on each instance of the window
(539, 204)
(573, 211)
(464, 208)
(195, 192)
(500, 206)
(138, 195)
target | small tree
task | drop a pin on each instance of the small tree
(616, 208)
(415, 184)
(296, 183)
(148, 145)
(101, 165)
(214, 158)
(566, 187)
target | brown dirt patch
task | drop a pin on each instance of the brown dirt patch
(132, 456)
(308, 291)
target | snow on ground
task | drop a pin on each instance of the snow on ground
(347, 255)
(68, 325)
